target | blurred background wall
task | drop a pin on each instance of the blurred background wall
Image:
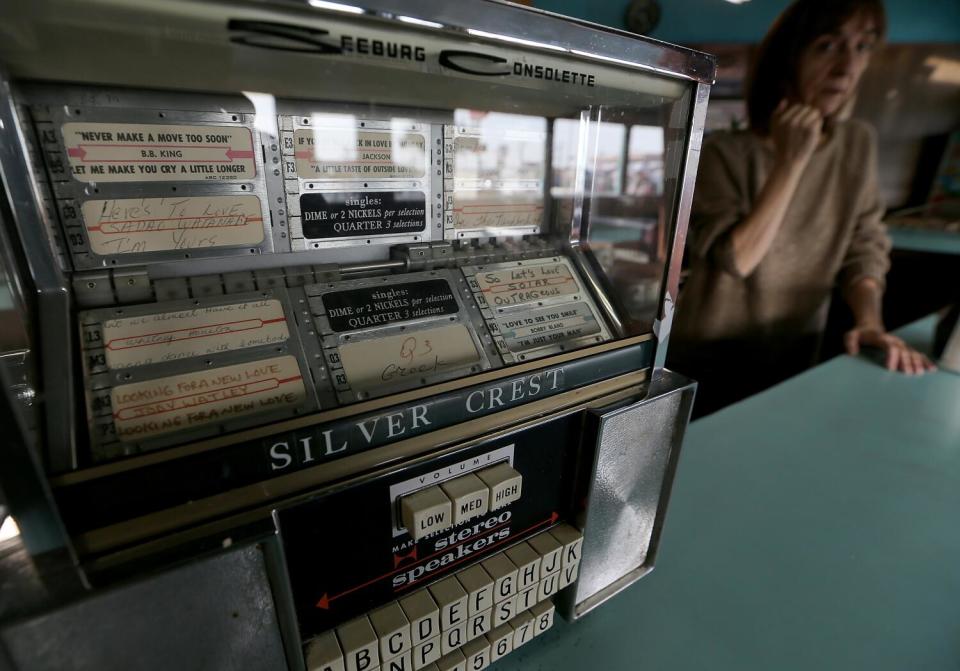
(910, 93)
(691, 21)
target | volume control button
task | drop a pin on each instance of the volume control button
(505, 484)
(470, 497)
(425, 512)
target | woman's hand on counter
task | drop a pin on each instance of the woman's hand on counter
(898, 355)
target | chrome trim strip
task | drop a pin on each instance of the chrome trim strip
(664, 322)
(599, 295)
(490, 20)
(54, 324)
(536, 28)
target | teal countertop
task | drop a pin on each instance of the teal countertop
(813, 526)
(914, 240)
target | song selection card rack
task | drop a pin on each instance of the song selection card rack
(135, 183)
(388, 334)
(164, 373)
(494, 181)
(535, 307)
(134, 186)
(351, 181)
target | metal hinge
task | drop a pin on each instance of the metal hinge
(126, 286)
(101, 288)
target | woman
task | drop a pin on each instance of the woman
(784, 212)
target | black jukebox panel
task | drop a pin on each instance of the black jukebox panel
(115, 495)
(340, 569)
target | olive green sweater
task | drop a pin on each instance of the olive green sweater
(832, 233)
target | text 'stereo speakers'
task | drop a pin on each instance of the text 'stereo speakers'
(333, 332)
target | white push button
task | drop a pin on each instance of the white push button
(452, 600)
(392, 628)
(523, 628)
(505, 484)
(548, 586)
(572, 541)
(479, 588)
(470, 497)
(504, 575)
(549, 549)
(402, 662)
(477, 654)
(501, 641)
(452, 662)
(323, 653)
(543, 614)
(527, 561)
(424, 616)
(426, 653)
(360, 645)
(425, 512)
(504, 610)
(568, 575)
(528, 597)
(480, 624)
(452, 638)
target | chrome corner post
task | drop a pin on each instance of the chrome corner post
(22, 471)
(671, 289)
(53, 325)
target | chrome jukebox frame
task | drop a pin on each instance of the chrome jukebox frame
(498, 22)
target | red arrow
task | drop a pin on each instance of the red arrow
(325, 600)
(78, 152)
(238, 153)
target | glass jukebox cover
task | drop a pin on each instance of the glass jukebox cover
(266, 237)
(341, 211)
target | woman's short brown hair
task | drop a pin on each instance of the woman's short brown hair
(778, 58)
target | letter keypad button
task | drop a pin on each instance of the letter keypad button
(452, 600)
(464, 621)
(323, 653)
(426, 653)
(504, 575)
(527, 561)
(392, 628)
(550, 551)
(360, 645)
(423, 614)
(572, 541)
(479, 587)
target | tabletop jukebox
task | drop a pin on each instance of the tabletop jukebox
(333, 335)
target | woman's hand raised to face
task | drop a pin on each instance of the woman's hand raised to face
(795, 130)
